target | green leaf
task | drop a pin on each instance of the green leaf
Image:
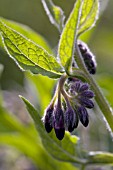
(29, 33)
(25, 139)
(9, 123)
(105, 158)
(21, 142)
(82, 18)
(65, 150)
(28, 55)
(55, 14)
(69, 34)
(34, 151)
(89, 15)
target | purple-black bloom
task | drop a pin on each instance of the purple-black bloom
(87, 94)
(83, 116)
(86, 102)
(47, 119)
(88, 57)
(81, 99)
(84, 87)
(71, 119)
(70, 107)
(58, 123)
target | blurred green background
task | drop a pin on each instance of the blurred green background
(14, 82)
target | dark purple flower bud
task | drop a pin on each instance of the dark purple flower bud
(71, 119)
(86, 102)
(87, 94)
(87, 57)
(76, 86)
(92, 64)
(92, 71)
(82, 48)
(47, 119)
(58, 123)
(83, 116)
(84, 87)
(70, 127)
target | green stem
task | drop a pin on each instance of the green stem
(100, 99)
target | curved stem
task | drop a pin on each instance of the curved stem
(62, 90)
(100, 99)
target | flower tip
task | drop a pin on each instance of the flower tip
(48, 127)
(86, 123)
(87, 103)
(60, 133)
(83, 116)
(93, 71)
(70, 128)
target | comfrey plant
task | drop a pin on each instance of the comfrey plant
(71, 99)
(76, 89)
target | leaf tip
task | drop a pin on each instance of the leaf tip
(23, 99)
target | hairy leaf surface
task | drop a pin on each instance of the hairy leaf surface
(82, 18)
(28, 55)
(69, 34)
(89, 15)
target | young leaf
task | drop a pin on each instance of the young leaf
(105, 158)
(89, 15)
(65, 150)
(55, 14)
(28, 55)
(67, 41)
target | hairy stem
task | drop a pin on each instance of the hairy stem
(100, 99)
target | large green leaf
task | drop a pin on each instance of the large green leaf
(65, 150)
(69, 34)
(26, 140)
(54, 13)
(34, 151)
(28, 55)
(9, 123)
(29, 33)
(89, 15)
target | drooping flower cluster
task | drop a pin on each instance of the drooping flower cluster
(70, 106)
(81, 99)
(88, 57)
